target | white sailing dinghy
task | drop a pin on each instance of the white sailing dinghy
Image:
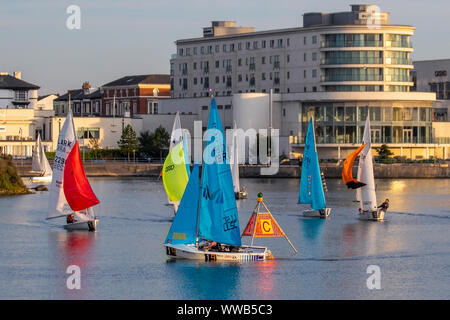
(40, 163)
(311, 183)
(70, 192)
(238, 193)
(207, 212)
(365, 183)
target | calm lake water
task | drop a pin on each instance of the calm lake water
(125, 259)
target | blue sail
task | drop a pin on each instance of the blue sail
(184, 226)
(218, 216)
(311, 188)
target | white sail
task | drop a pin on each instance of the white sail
(366, 194)
(235, 160)
(36, 165)
(177, 132)
(58, 205)
(40, 163)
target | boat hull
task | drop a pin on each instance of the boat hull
(42, 179)
(372, 215)
(191, 252)
(240, 195)
(90, 225)
(325, 213)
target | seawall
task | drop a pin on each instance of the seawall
(381, 171)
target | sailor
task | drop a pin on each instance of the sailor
(385, 205)
(243, 189)
(70, 218)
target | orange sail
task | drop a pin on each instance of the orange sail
(347, 170)
(77, 189)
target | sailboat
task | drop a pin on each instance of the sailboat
(365, 182)
(238, 193)
(311, 183)
(176, 137)
(71, 195)
(206, 226)
(40, 163)
(175, 173)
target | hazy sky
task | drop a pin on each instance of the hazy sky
(125, 37)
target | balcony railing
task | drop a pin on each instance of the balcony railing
(332, 78)
(352, 61)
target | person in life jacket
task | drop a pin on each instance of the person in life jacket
(384, 205)
(70, 218)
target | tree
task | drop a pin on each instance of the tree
(384, 152)
(154, 144)
(128, 142)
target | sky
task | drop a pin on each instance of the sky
(126, 37)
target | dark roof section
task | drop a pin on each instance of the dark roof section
(140, 79)
(10, 82)
(78, 94)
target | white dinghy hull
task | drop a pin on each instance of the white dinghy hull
(372, 215)
(90, 225)
(42, 179)
(324, 213)
(191, 252)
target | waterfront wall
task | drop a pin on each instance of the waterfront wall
(381, 171)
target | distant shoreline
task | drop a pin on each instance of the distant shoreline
(381, 171)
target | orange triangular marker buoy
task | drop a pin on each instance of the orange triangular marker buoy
(263, 224)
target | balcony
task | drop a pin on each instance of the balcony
(350, 44)
(333, 61)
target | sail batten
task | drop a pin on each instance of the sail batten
(311, 185)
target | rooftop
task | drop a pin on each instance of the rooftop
(10, 82)
(140, 79)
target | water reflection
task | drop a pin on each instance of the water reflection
(311, 228)
(265, 279)
(73, 248)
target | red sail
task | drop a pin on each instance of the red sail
(77, 189)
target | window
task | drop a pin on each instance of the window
(263, 76)
(247, 45)
(239, 46)
(88, 133)
(304, 56)
(217, 48)
(255, 44)
(314, 39)
(314, 73)
(280, 43)
(304, 40)
(272, 43)
(239, 62)
(224, 48)
(304, 74)
(287, 42)
(314, 56)
(288, 75)
(288, 58)
(263, 60)
(263, 44)
(205, 108)
(195, 51)
(217, 64)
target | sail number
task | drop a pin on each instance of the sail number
(59, 163)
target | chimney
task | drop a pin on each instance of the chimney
(86, 86)
(18, 75)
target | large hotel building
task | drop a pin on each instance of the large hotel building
(339, 67)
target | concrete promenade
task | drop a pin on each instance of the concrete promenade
(331, 170)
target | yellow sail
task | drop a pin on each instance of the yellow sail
(175, 175)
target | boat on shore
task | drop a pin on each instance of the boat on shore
(312, 181)
(365, 182)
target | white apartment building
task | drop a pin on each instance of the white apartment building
(338, 67)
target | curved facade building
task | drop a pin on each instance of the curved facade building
(339, 67)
